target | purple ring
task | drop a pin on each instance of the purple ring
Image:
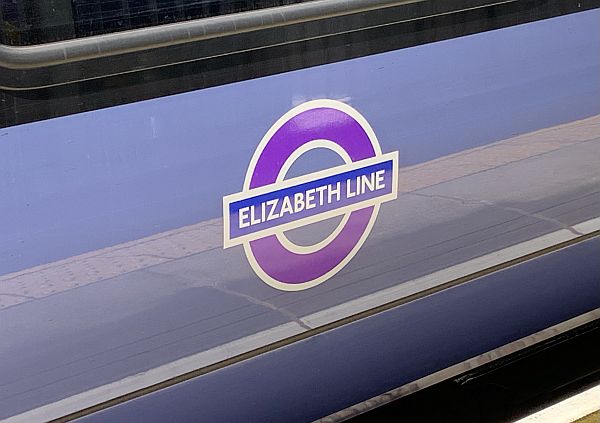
(326, 123)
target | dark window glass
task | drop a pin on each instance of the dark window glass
(26, 22)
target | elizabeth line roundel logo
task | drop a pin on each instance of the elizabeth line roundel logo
(270, 204)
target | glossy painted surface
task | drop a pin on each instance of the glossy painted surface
(102, 279)
(131, 171)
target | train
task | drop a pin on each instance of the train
(288, 211)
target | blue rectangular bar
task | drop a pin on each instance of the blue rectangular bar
(269, 210)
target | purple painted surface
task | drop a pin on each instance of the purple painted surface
(315, 124)
(289, 267)
(321, 123)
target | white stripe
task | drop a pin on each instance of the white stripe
(206, 358)
(588, 226)
(569, 410)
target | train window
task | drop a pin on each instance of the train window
(28, 22)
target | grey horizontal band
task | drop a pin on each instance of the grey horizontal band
(62, 52)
